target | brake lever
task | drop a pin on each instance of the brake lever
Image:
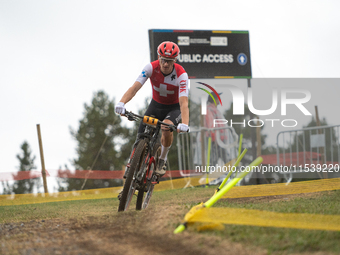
(129, 116)
(174, 128)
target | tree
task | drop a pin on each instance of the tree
(130, 136)
(97, 138)
(26, 164)
(6, 188)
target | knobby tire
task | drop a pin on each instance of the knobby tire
(129, 181)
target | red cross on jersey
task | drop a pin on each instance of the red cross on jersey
(165, 89)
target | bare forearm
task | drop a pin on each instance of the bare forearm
(131, 92)
(184, 105)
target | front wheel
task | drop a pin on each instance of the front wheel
(130, 181)
(150, 180)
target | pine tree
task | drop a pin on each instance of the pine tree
(97, 138)
(26, 164)
(6, 188)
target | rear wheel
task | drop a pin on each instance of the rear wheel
(130, 183)
(143, 201)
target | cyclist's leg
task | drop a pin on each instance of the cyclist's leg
(167, 136)
(173, 118)
(170, 114)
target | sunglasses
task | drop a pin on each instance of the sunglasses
(166, 60)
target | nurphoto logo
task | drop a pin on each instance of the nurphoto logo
(288, 96)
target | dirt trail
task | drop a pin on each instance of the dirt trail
(147, 232)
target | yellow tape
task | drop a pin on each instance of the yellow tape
(239, 216)
(193, 211)
(21, 199)
(221, 32)
(283, 189)
(236, 192)
(178, 183)
(224, 77)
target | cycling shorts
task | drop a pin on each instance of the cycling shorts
(162, 112)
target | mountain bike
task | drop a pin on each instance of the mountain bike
(140, 170)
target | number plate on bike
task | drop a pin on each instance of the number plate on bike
(150, 120)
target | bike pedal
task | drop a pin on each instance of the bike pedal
(120, 195)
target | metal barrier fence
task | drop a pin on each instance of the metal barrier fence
(313, 151)
(193, 148)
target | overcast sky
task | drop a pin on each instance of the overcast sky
(55, 54)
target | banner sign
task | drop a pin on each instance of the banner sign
(208, 53)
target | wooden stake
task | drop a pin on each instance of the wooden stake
(43, 170)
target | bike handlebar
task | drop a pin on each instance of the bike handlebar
(148, 120)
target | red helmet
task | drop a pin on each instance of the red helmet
(168, 50)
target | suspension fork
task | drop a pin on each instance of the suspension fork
(145, 162)
(151, 161)
(134, 146)
(155, 137)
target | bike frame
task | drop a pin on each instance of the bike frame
(143, 180)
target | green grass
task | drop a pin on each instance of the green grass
(328, 203)
(279, 240)
(274, 240)
(67, 209)
(282, 239)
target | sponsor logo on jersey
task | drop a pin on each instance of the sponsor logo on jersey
(182, 87)
(183, 82)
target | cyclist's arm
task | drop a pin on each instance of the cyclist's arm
(141, 79)
(131, 92)
(183, 102)
(183, 97)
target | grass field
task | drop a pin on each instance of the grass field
(95, 227)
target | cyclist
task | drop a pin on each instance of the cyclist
(170, 92)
